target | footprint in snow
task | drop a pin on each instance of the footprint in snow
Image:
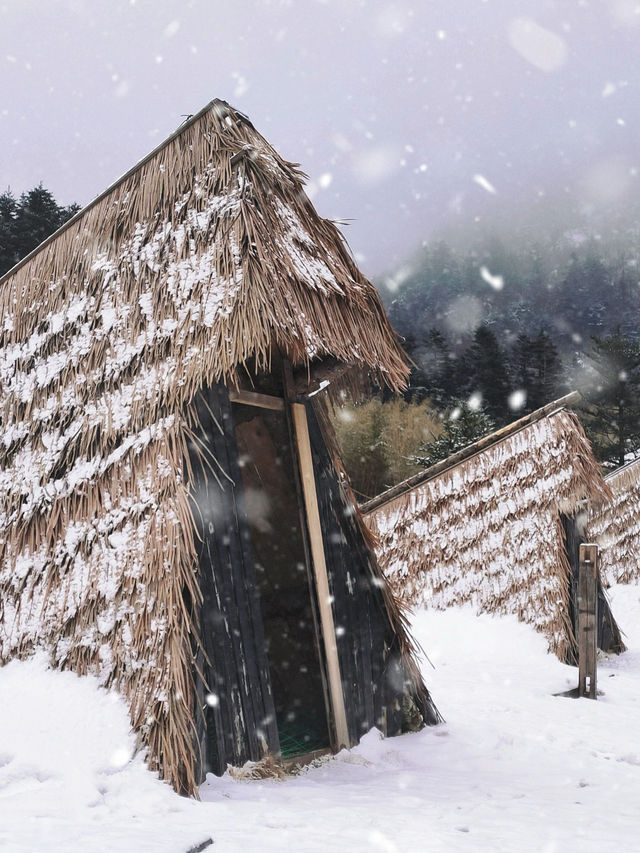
(630, 759)
(22, 784)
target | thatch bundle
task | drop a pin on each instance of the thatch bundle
(207, 254)
(487, 528)
(615, 526)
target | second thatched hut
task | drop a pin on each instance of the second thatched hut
(498, 525)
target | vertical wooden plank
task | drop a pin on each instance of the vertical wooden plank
(290, 396)
(587, 620)
(216, 631)
(572, 540)
(346, 573)
(305, 460)
(242, 718)
(254, 683)
(608, 633)
(372, 674)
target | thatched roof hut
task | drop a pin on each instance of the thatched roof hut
(168, 500)
(615, 526)
(490, 526)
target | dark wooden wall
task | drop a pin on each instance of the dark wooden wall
(609, 639)
(232, 660)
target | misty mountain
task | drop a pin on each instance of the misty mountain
(570, 285)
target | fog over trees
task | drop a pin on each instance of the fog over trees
(502, 327)
(494, 331)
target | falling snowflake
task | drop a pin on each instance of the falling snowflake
(542, 48)
(496, 281)
(474, 402)
(517, 400)
(481, 181)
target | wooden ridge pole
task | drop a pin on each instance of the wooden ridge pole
(305, 458)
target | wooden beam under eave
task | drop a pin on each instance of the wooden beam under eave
(303, 444)
(252, 398)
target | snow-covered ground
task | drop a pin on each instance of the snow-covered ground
(515, 768)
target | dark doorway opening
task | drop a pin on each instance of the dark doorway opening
(277, 543)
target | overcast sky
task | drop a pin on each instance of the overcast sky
(407, 116)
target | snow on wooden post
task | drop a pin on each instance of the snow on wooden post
(587, 620)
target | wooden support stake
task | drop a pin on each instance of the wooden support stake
(587, 620)
(320, 572)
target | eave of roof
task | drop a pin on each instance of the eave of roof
(623, 469)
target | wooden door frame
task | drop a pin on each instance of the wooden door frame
(303, 460)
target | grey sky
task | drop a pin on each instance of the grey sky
(406, 116)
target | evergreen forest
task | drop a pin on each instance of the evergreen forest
(495, 332)
(26, 221)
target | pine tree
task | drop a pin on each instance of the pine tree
(612, 411)
(444, 275)
(537, 370)
(463, 426)
(485, 373)
(9, 254)
(434, 375)
(26, 223)
(584, 292)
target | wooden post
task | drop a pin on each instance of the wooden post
(587, 620)
(292, 397)
(320, 572)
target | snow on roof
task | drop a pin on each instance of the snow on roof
(615, 526)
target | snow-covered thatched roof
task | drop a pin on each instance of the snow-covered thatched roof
(209, 243)
(615, 526)
(485, 526)
(206, 254)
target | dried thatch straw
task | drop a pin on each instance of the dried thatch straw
(208, 253)
(488, 529)
(267, 768)
(615, 526)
